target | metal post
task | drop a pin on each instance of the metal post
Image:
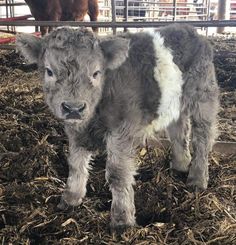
(12, 13)
(223, 12)
(113, 15)
(208, 10)
(174, 9)
(208, 5)
(7, 15)
(126, 12)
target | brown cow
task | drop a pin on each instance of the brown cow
(64, 10)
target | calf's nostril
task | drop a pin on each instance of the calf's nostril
(66, 108)
(81, 107)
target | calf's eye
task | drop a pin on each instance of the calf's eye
(95, 74)
(49, 72)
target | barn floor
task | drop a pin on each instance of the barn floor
(33, 151)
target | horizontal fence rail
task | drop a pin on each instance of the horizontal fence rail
(113, 24)
(137, 24)
(12, 4)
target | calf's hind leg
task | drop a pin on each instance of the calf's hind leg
(203, 135)
(179, 135)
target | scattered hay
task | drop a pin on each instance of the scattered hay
(33, 151)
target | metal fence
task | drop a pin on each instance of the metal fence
(136, 10)
(164, 10)
(140, 10)
(123, 14)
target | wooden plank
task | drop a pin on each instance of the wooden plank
(223, 147)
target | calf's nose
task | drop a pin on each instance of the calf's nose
(72, 111)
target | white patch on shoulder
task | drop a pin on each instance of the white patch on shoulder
(169, 78)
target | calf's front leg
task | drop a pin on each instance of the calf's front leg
(78, 161)
(120, 171)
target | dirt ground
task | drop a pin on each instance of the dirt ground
(33, 171)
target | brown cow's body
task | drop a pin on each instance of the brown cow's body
(64, 10)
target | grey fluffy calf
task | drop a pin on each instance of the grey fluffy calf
(114, 92)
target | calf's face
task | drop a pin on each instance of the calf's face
(72, 65)
(73, 81)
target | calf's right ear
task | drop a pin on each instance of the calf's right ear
(29, 46)
(115, 51)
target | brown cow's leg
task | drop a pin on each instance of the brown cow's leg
(56, 17)
(79, 9)
(93, 12)
(43, 30)
(55, 12)
(79, 16)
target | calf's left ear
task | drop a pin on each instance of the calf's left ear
(29, 46)
(115, 51)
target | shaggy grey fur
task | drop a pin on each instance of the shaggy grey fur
(114, 77)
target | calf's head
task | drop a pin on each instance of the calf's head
(72, 65)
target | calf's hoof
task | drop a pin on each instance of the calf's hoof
(70, 199)
(181, 164)
(198, 176)
(197, 183)
(62, 205)
(119, 228)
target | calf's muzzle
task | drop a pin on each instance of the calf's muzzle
(71, 111)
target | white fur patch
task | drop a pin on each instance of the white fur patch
(169, 78)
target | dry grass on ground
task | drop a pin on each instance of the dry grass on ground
(33, 151)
